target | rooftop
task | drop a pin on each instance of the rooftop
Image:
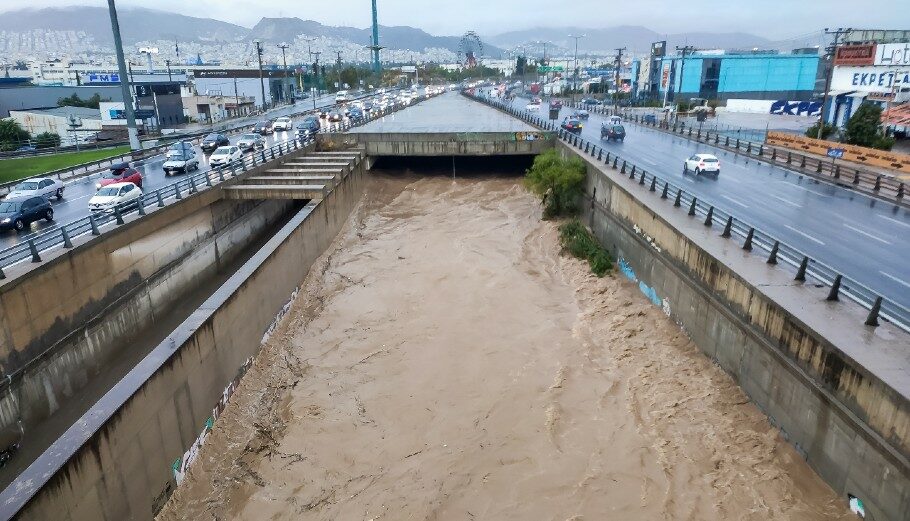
(65, 112)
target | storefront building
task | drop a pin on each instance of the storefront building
(869, 72)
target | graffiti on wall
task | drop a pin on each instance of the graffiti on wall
(796, 108)
(626, 269)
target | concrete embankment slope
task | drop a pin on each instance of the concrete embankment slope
(837, 390)
(122, 459)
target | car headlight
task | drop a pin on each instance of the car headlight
(4, 221)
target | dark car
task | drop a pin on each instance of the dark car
(650, 119)
(17, 214)
(368, 106)
(120, 173)
(311, 123)
(335, 116)
(571, 125)
(355, 114)
(213, 141)
(612, 132)
(263, 127)
(581, 114)
(589, 101)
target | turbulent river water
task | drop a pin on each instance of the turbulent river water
(444, 361)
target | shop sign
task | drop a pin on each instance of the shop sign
(869, 79)
(892, 54)
(855, 55)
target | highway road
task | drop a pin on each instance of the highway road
(78, 191)
(860, 236)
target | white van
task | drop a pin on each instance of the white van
(342, 97)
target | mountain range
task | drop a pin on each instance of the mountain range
(141, 24)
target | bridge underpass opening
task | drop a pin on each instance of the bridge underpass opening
(469, 166)
(444, 359)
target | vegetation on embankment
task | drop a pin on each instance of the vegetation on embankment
(577, 240)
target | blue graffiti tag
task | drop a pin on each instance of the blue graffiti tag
(626, 270)
(650, 293)
(796, 108)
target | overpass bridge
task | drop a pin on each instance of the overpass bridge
(837, 388)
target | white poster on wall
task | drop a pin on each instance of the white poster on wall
(870, 79)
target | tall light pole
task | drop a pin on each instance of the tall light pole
(618, 65)
(316, 78)
(284, 84)
(125, 89)
(261, 80)
(575, 71)
(829, 70)
(374, 45)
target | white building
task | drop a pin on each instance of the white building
(58, 121)
(53, 72)
(877, 73)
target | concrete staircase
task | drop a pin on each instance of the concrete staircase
(309, 177)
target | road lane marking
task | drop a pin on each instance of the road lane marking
(867, 234)
(813, 192)
(806, 235)
(652, 163)
(787, 201)
(734, 201)
(689, 180)
(895, 221)
(895, 279)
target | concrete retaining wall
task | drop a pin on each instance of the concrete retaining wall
(441, 144)
(116, 463)
(778, 339)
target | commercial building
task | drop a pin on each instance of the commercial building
(756, 75)
(244, 83)
(70, 123)
(870, 72)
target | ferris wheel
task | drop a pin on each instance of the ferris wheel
(470, 50)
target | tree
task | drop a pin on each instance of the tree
(826, 130)
(865, 127)
(47, 140)
(12, 135)
(75, 101)
(559, 182)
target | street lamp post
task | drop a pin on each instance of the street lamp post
(125, 89)
(261, 80)
(284, 84)
(575, 71)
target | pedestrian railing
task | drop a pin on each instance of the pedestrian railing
(752, 239)
(33, 247)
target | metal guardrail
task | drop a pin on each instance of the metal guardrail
(754, 240)
(873, 183)
(95, 223)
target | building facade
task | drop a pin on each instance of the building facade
(868, 72)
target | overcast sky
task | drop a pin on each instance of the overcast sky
(775, 19)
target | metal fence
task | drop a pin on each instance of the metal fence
(96, 223)
(754, 240)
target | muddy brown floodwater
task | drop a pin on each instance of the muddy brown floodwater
(444, 361)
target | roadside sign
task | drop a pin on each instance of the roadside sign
(550, 68)
(145, 114)
(835, 153)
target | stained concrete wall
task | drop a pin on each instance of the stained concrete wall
(776, 337)
(441, 144)
(116, 462)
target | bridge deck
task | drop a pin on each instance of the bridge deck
(447, 113)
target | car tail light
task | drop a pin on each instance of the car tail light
(701, 164)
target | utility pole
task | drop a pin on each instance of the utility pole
(338, 68)
(316, 78)
(261, 80)
(177, 50)
(284, 84)
(236, 98)
(374, 46)
(575, 71)
(682, 66)
(125, 89)
(168, 64)
(829, 71)
(616, 83)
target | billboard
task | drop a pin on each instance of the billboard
(665, 76)
(893, 54)
(855, 55)
(231, 73)
(658, 49)
(869, 79)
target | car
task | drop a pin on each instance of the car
(179, 149)
(284, 124)
(571, 124)
(650, 119)
(342, 97)
(302, 132)
(555, 104)
(589, 101)
(263, 127)
(213, 141)
(533, 106)
(250, 141)
(612, 132)
(225, 156)
(356, 115)
(581, 114)
(43, 186)
(27, 148)
(181, 163)
(18, 213)
(615, 120)
(114, 195)
(335, 116)
(367, 106)
(311, 123)
(120, 173)
(702, 163)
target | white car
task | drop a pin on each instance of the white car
(533, 106)
(112, 195)
(702, 163)
(183, 162)
(44, 186)
(225, 155)
(282, 124)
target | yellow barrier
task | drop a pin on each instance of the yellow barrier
(852, 153)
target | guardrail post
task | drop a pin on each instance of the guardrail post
(193, 188)
(692, 206)
(836, 171)
(93, 224)
(773, 154)
(878, 183)
(802, 162)
(748, 244)
(177, 190)
(737, 143)
(856, 177)
(727, 227)
(900, 191)
(221, 173)
(632, 175)
(663, 195)
(653, 184)
(600, 155)
(772, 259)
(789, 157)
(160, 199)
(801, 272)
(727, 141)
(818, 169)
(140, 204)
(623, 170)
(716, 138)
(208, 179)
(34, 250)
(872, 319)
(2, 275)
(709, 220)
(118, 215)
(641, 181)
(586, 147)
(761, 149)
(678, 200)
(67, 243)
(835, 289)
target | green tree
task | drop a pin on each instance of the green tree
(74, 100)
(12, 135)
(47, 140)
(865, 127)
(559, 182)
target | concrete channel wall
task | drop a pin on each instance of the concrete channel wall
(441, 144)
(119, 461)
(792, 352)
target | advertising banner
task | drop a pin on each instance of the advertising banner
(893, 54)
(855, 55)
(853, 153)
(869, 79)
(665, 76)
